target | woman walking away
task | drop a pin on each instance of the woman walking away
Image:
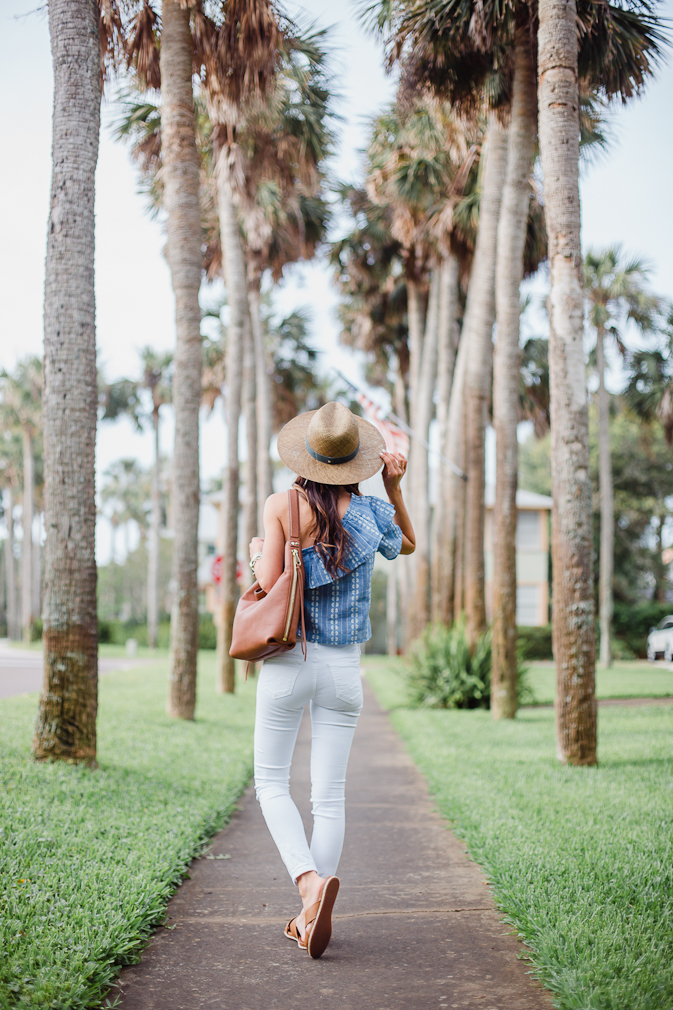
(330, 450)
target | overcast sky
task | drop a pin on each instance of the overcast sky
(627, 197)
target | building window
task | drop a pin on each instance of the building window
(528, 531)
(528, 604)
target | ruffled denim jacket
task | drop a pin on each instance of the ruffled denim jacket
(337, 610)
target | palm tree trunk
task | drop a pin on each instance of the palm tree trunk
(153, 544)
(442, 564)
(506, 367)
(264, 402)
(459, 548)
(451, 592)
(10, 568)
(478, 334)
(422, 408)
(181, 181)
(607, 507)
(416, 324)
(27, 545)
(660, 579)
(237, 294)
(416, 316)
(37, 571)
(573, 603)
(66, 722)
(250, 414)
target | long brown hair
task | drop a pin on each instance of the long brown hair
(332, 539)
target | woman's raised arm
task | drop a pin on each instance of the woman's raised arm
(393, 472)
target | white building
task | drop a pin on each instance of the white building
(532, 556)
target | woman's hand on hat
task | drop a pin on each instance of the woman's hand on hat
(256, 546)
(393, 471)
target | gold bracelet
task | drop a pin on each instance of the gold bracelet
(253, 561)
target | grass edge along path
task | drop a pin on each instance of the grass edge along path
(580, 859)
(90, 859)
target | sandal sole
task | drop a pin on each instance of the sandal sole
(321, 930)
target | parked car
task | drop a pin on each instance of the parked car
(660, 640)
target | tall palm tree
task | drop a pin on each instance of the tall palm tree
(242, 70)
(477, 338)
(157, 378)
(281, 145)
(509, 274)
(558, 110)
(21, 406)
(614, 288)
(66, 724)
(574, 636)
(649, 391)
(183, 227)
(11, 461)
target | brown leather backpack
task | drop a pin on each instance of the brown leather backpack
(266, 623)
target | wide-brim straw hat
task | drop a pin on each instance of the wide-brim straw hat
(331, 446)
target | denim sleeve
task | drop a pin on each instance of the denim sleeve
(391, 542)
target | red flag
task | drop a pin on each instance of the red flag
(397, 441)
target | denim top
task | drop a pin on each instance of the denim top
(337, 609)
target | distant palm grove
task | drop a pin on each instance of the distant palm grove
(470, 185)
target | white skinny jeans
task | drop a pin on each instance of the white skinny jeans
(330, 681)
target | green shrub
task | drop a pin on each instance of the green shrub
(444, 672)
(117, 632)
(207, 632)
(36, 630)
(104, 632)
(535, 643)
(621, 650)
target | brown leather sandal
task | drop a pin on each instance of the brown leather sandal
(319, 918)
(292, 933)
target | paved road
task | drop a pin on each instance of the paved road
(21, 669)
(415, 926)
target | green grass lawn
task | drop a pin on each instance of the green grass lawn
(623, 680)
(580, 860)
(89, 859)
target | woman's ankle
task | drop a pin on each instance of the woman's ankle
(309, 885)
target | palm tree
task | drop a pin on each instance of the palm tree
(21, 395)
(241, 70)
(649, 391)
(285, 143)
(66, 724)
(123, 496)
(614, 288)
(180, 161)
(281, 145)
(11, 461)
(506, 366)
(157, 378)
(574, 636)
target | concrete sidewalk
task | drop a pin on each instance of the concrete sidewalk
(415, 927)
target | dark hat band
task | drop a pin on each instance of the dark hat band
(332, 459)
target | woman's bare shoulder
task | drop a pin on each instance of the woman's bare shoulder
(276, 504)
